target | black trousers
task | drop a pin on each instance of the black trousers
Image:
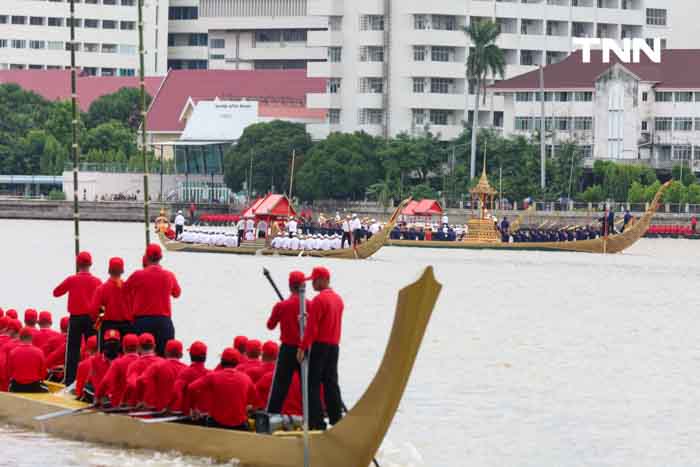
(160, 326)
(178, 230)
(346, 237)
(36, 386)
(124, 327)
(356, 236)
(287, 364)
(79, 327)
(323, 369)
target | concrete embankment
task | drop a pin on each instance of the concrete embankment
(132, 211)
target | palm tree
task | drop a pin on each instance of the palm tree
(485, 58)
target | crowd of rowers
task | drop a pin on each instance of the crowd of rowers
(128, 357)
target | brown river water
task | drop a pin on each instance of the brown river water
(531, 358)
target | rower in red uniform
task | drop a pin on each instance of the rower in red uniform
(26, 367)
(148, 356)
(181, 399)
(4, 337)
(112, 299)
(113, 384)
(286, 314)
(55, 352)
(80, 288)
(150, 291)
(240, 343)
(100, 363)
(156, 383)
(231, 394)
(83, 372)
(30, 319)
(322, 337)
(12, 314)
(267, 365)
(13, 328)
(44, 333)
(253, 349)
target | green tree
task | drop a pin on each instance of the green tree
(423, 191)
(122, 106)
(59, 123)
(485, 58)
(694, 193)
(651, 190)
(110, 136)
(676, 193)
(408, 158)
(564, 170)
(340, 167)
(683, 174)
(269, 146)
(636, 193)
(593, 194)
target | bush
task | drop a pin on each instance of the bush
(593, 194)
(57, 195)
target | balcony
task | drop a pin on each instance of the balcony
(455, 70)
(324, 101)
(437, 37)
(436, 101)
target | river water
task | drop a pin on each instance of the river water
(531, 358)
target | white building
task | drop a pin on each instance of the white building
(35, 34)
(640, 112)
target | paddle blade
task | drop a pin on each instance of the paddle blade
(60, 413)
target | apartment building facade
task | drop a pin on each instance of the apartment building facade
(641, 112)
(35, 34)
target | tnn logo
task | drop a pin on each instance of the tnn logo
(630, 52)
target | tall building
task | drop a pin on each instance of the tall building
(35, 34)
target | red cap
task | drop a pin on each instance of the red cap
(3, 322)
(91, 343)
(130, 341)
(173, 346)
(25, 332)
(30, 316)
(270, 349)
(198, 349)
(11, 313)
(319, 273)
(253, 347)
(14, 325)
(116, 266)
(64, 324)
(84, 259)
(240, 341)
(296, 278)
(231, 355)
(146, 339)
(153, 252)
(112, 335)
(45, 317)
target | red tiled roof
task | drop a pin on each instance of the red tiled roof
(428, 207)
(270, 206)
(679, 69)
(287, 88)
(55, 84)
(410, 209)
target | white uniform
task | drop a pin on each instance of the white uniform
(231, 241)
(325, 244)
(292, 226)
(180, 220)
(249, 225)
(302, 244)
(335, 243)
(309, 244)
(374, 228)
(249, 235)
(240, 225)
(284, 243)
(355, 224)
(445, 219)
(294, 243)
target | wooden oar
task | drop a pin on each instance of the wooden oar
(63, 413)
(173, 418)
(147, 413)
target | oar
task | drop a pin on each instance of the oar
(304, 376)
(63, 413)
(266, 273)
(147, 413)
(173, 418)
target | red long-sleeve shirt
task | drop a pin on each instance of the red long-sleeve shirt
(98, 369)
(325, 319)
(292, 403)
(80, 288)
(257, 369)
(229, 393)
(286, 314)
(42, 336)
(157, 382)
(4, 356)
(82, 375)
(113, 384)
(150, 291)
(26, 364)
(181, 397)
(133, 372)
(113, 297)
(53, 343)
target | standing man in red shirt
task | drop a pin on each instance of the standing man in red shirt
(149, 292)
(322, 337)
(286, 314)
(80, 288)
(111, 298)
(26, 367)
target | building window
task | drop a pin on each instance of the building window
(583, 123)
(419, 53)
(439, 116)
(127, 72)
(171, 39)
(682, 152)
(372, 85)
(645, 96)
(440, 85)
(128, 2)
(683, 124)
(109, 24)
(108, 72)
(333, 85)
(371, 116)
(523, 97)
(335, 54)
(663, 96)
(334, 116)
(126, 49)
(183, 13)
(372, 23)
(371, 53)
(697, 126)
(3, 19)
(684, 97)
(37, 45)
(563, 96)
(420, 22)
(418, 116)
(197, 40)
(216, 56)
(586, 96)
(19, 44)
(19, 20)
(92, 23)
(3, 43)
(335, 23)
(444, 22)
(663, 123)
(217, 44)
(36, 21)
(645, 125)
(523, 123)
(656, 17)
(127, 25)
(562, 123)
(294, 35)
(440, 54)
(419, 85)
(272, 35)
(55, 21)
(55, 45)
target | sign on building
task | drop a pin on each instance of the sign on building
(220, 120)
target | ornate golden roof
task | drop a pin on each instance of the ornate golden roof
(483, 187)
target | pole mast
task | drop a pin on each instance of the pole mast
(142, 108)
(74, 128)
(543, 156)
